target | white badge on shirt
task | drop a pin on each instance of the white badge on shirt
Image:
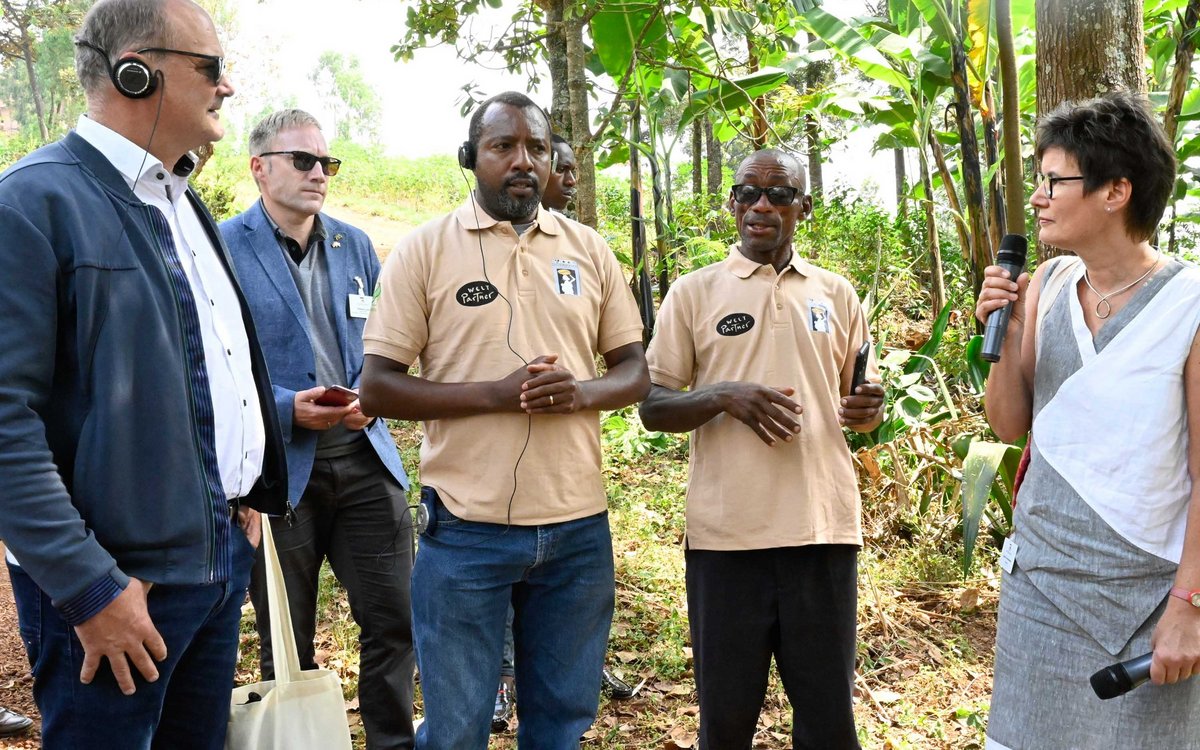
(566, 277)
(360, 304)
(818, 315)
(1008, 554)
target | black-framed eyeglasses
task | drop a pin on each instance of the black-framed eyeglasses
(304, 161)
(214, 70)
(777, 195)
(1048, 182)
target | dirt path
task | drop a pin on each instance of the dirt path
(16, 686)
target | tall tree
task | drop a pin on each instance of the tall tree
(1086, 48)
(22, 26)
(351, 100)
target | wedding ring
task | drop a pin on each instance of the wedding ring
(552, 400)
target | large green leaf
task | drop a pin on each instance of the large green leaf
(977, 367)
(849, 43)
(934, 12)
(733, 94)
(978, 473)
(618, 26)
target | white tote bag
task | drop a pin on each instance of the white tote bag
(298, 710)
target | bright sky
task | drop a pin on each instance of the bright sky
(277, 44)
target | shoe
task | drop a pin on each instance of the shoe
(12, 723)
(614, 686)
(504, 708)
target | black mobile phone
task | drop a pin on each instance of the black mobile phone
(860, 366)
(336, 395)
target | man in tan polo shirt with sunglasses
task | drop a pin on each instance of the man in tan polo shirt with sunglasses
(764, 344)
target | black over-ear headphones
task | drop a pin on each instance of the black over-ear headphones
(131, 76)
(466, 155)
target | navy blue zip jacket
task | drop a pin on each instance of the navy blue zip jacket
(100, 474)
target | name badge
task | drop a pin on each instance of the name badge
(360, 305)
(1008, 555)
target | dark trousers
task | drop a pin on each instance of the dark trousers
(186, 708)
(797, 604)
(353, 513)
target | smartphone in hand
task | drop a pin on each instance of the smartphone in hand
(860, 366)
(336, 395)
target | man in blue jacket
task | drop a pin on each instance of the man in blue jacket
(308, 278)
(137, 426)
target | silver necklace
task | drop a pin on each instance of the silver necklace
(1107, 306)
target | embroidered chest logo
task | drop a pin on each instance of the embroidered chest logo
(818, 315)
(476, 293)
(735, 324)
(566, 277)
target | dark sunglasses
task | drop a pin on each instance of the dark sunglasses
(304, 161)
(779, 195)
(214, 70)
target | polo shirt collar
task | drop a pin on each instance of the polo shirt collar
(744, 268)
(470, 215)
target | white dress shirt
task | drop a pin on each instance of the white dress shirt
(240, 434)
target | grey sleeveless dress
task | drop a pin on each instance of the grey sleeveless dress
(1080, 596)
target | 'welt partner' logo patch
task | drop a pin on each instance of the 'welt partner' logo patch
(735, 324)
(476, 293)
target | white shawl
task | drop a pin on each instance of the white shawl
(1116, 430)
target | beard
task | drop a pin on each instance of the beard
(501, 205)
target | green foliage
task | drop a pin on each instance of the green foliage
(625, 434)
(981, 467)
(433, 183)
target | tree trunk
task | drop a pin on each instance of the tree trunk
(661, 244)
(939, 159)
(715, 164)
(758, 135)
(556, 54)
(816, 170)
(697, 158)
(937, 279)
(1185, 50)
(641, 278)
(1010, 111)
(816, 76)
(981, 249)
(1086, 48)
(901, 185)
(581, 134)
(34, 88)
(997, 220)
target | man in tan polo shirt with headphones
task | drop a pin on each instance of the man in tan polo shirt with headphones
(509, 398)
(764, 344)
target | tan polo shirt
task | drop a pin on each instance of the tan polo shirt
(738, 320)
(435, 305)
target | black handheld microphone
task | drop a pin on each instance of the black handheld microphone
(1118, 679)
(1010, 257)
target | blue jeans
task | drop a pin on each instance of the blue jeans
(559, 578)
(187, 707)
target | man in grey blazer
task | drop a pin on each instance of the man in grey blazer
(309, 279)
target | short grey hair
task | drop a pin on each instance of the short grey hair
(116, 26)
(285, 119)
